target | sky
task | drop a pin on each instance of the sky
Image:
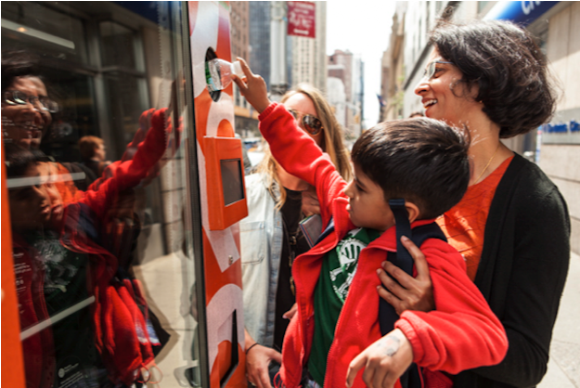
(362, 27)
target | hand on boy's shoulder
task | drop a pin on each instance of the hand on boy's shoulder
(408, 292)
(384, 361)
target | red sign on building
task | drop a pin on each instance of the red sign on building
(302, 19)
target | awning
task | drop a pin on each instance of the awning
(520, 12)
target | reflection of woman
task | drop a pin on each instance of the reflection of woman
(27, 114)
(26, 108)
(66, 276)
(512, 225)
(270, 235)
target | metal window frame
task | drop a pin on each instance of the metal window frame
(194, 200)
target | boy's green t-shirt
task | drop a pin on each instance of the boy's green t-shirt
(338, 269)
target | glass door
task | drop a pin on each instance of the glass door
(103, 193)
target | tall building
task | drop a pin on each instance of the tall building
(239, 19)
(357, 93)
(259, 58)
(340, 64)
(336, 97)
(392, 68)
(308, 55)
(245, 117)
(347, 67)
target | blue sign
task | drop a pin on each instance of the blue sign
(520, 12)
(571, 127)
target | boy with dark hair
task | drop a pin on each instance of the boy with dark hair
(335, 331)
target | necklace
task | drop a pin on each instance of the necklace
(487, 165)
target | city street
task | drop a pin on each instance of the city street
(564, 366)
(168, 167)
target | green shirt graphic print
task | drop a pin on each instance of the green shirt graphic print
(337, 272)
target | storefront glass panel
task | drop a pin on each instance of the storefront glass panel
(96, 141)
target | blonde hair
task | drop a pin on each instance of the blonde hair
(332, 142)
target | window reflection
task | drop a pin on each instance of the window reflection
(98, 195)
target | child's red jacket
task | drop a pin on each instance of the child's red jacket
(462, 333)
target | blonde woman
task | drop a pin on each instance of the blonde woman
(271, 238)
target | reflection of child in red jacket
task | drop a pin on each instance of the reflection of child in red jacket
(62, 268)
(336, 329)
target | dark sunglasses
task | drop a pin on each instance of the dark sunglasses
(311, 124)
(432, 68)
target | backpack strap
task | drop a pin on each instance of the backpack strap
(403, 259)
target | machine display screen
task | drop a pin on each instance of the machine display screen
(232, 180)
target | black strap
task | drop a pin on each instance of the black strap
(403, 259)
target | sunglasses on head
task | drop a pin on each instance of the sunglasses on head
(432, 68)
(309, 123)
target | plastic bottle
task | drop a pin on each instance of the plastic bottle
(218, 73)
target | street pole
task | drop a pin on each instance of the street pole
(278, 78)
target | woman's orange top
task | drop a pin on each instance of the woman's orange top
(464, 224)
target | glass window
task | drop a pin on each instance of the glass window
(117, 45)
(43, 30)
(95, 128)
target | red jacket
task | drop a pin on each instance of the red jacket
(462, 332)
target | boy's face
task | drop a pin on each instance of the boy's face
(367, 206)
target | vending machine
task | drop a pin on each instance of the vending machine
(153, 254)
(222, 196)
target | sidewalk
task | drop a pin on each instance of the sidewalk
(564, 365)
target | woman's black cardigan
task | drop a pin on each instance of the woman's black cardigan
(522, 272)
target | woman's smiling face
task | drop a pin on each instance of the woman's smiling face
(443, 95)
(26, 123)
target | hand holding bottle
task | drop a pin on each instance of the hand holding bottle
(254, 88)
(219, 72)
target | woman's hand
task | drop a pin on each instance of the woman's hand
(290, 313)
(257, 362)
(254, 88)
(384, 361)
(412, 293)
(310, 204)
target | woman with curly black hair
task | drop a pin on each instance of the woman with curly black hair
(512, 225)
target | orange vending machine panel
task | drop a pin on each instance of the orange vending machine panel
(12, 366)
(222, 197)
